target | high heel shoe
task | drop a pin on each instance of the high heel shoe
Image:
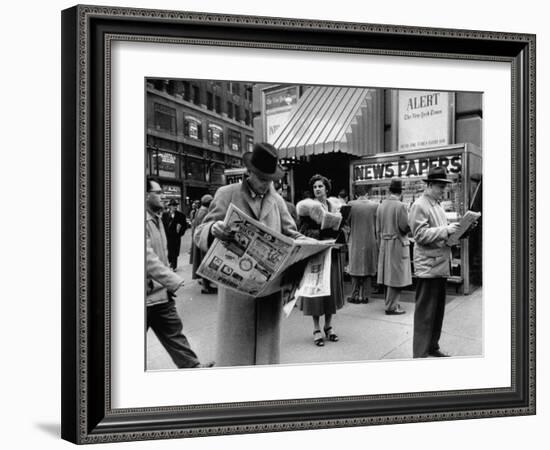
(330, 335)
(318, 338)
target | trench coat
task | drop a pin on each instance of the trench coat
(394, 259)
(248, 328)
(431, 255)
(196, 253)
(362, 243)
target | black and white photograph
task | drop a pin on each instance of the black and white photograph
(276, 224)
(384, 182)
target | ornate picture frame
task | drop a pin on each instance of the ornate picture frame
(88, 33)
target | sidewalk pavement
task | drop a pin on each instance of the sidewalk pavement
(365, 332)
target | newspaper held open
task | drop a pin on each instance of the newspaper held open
(255, 260)
(465, 223)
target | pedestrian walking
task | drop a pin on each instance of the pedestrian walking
(162, 284)
(310, 215)
(195, 205)
(394, 260)
(432, 260)
(248, 328)
(175, 224)
(362, 246)
(198, 254)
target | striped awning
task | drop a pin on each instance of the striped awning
(326, 120)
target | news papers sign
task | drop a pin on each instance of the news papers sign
(408, 168)
(424, 119)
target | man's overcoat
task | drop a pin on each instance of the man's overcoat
(394, 260)
(248, 328)
(362, 243)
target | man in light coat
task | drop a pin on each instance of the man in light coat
(162, 284)
(248, 328)
(394, 261)
(362, 246)
(432, 259)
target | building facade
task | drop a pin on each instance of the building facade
(195, 130)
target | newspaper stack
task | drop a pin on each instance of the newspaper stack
(465, 223)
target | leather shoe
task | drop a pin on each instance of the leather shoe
(354, 300)
(205, 365)
(395, 312)
(364, 300)
(438, 354)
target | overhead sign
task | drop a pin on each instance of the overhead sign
(278, 105)
(424, 119)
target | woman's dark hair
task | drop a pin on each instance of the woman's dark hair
(321, 178)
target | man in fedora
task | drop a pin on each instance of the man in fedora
(432, 258)
(175, 224)
(394, 261)
(248, 328)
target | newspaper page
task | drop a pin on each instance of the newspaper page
(315, 281)
(254, 261)
(465, 223)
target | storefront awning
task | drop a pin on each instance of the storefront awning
(329, 119)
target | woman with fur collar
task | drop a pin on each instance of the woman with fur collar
(320, 218)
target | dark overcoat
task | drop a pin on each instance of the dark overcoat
(196, 253)
(248, 328)
(394, 260)
(362, 242)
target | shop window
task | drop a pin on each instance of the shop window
(163, 164)
(192, 128)
(171, 192)
(249, 143)
(215, 135)
(195, 170)
(149, 162)
(216, 174)
(234, 140)
(164, 118)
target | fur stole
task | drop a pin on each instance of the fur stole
(314, 210)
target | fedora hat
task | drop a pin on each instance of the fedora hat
(173, 202)
(438, 175)
(396, 185)
(206, 199)
(263, 161)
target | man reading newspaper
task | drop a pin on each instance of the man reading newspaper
(248, 327)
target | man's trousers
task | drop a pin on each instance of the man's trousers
(428, 315)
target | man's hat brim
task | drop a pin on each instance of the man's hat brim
(277, 175)
(437, 180)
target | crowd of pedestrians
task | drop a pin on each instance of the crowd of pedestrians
(372, 239)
